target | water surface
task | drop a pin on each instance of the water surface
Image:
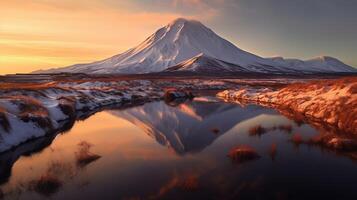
(160, 151)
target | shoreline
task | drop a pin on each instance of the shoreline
(33, 110)
(38, 109)
(328, 102)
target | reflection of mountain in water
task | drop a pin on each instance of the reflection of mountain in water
(188, 127)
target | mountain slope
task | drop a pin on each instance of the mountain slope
(319, 64)
(180, 41)
(202, 63)
(206, 64)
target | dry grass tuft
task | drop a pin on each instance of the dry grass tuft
(340, 112)
(321, 139)
(353, 89)
(297, 139)
(67, 105)
(4, 121)
(273, 151)
(43, 122)
(257, 130)
(47, 184)
(343, 144)
(189, 183)
(186, 182)
(287, 128)
(242, 154)
(84, 156)
(30, 109)
(27, 104)
(335, 142)
(215, 130)
(171, 94)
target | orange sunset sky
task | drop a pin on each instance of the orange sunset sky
(41, 34)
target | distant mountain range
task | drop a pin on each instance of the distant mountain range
(188, 45)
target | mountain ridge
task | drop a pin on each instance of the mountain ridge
(315, 64)
(182, 40)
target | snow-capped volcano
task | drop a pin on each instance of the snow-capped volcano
(180, 41)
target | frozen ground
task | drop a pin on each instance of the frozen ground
(31, 110)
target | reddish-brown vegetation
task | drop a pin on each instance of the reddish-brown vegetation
(47, 184)
(52, 180)
(67, 105)
(341, 113)
(84, 156)
(344, 144)
(189, 183)
(215, 130)
(288, 128)
(25, 86)
(317, 84)
(297, 139)
(27, 104)
(321, 139)
(335, 142)
(329, 101)
(4, 121)
(257, 130)
(242, 154)
(31, 109)
(172, 94)
(273, 151)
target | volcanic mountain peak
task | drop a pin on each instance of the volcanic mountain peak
(182, 40)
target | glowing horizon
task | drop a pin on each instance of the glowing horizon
(43, 34)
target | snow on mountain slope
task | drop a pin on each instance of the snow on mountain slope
(180, 41)
(203, 63)
(319, 64)
(206, 64)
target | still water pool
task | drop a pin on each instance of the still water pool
(160, 151)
